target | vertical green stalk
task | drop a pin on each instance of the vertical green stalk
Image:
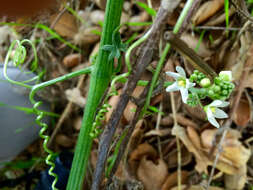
(100, 79)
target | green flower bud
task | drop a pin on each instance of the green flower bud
(226, 75)
(210, 93)
(216, 88)
(193, 77)
(205, 82)
(224, 92)
(217, 80)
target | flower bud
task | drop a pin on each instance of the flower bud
(205, 82)
(226, 75)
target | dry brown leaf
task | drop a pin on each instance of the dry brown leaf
(207, 138)
(201, 159)
(171, 180)
(167, 120)
(193, 42)
(193, 135)
(198, 187)
(137, 136)
(182, 120)
(72, 60)
(66, 26)
(242, 113)
(137, 154)
(233, 158)
(152, 174)
(143, 150)
(233, 150)
(195, 112)
(172, 159)
(158, 132)
(207, 10)
(237, 181)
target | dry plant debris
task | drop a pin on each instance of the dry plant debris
(150, 160)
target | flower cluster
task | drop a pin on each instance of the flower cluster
(218, 91)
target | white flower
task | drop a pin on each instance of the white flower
(182, 83)
(212, 111)
(226, 75)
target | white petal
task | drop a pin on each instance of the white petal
(219, 103)
(173, 87)
(181, 71)
(220, 114)
(213, 121)
(209, 112)
(174, 75)
(223, 104)
(184, 94)
(216, 103)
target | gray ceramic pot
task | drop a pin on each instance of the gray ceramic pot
(17, 128)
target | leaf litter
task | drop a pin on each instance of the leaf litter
(151, 159)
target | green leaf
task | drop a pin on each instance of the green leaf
(138, 23)
(149, 10)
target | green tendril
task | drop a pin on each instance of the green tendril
(18, 59)
(46, 138)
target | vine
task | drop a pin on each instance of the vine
(18, 57)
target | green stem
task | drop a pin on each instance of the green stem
(164, 54)
(100, 79)
(37, 87)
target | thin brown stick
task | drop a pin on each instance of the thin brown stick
(159, 117)
(179, 173)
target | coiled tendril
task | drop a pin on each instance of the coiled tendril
(18, 59)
